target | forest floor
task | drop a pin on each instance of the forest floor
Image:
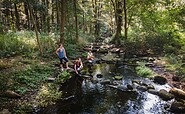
(173, 80)
(24, 76)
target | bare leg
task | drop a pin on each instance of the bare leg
(61, 66)
(67, 65)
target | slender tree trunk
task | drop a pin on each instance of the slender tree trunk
(35, 26)
(17, 17)
(83, 18)
(96, 18)
(76, 21)
(58, 14)
(27, 16)
(53, 13)
(63, 11)
(125, 18)
(43, 19)
(48, 16)
(12, 16)
(119, 21)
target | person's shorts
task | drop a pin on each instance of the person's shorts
(64, 58)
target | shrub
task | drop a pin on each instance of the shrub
(10, 45)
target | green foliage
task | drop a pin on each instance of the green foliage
(62, 77)
(174, 63)
(144, 71)
(11, 44)
(171, 59)
(30, 78)
(47, 95)
(180, 72)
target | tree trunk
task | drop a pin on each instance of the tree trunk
(27, 16)
(119, 21)
(53, 13)
(58, 14)
(76, 21)
(48, 16)
(125, 18)
(17, 17)
(43, 19)
(96, 18)
(35, 26)
(63, 9)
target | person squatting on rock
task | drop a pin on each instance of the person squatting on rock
(78, 65)
(62, 56)
(90, 56)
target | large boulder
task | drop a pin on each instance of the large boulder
(178, 107)
(178, 93)
(160, 80)
(163, 94)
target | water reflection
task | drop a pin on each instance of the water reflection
(92, 97)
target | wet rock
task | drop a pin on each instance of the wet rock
(160, 80)
(149, 64)
(102, 51)
(87, 49)
(105, 81)
(144, 84)
(136, 81)
(98, 61)
(86, 76)
(94, 81)
(177, 107)
(176, 78)
(115, 83)
(142, 88)
(150, 87)
(110, 62)
(51, 79)
(112, 86)
(163, 94)
(178, 93)
(118, 77)
(5, 111)
(152, 91)
(99, 75)
(129, 87)
(115, 50)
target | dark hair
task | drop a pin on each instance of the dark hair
(60, 44)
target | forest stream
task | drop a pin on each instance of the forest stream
(109, 88)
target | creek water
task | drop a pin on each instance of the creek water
(90, 96)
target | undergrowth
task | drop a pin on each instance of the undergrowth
(144, 71)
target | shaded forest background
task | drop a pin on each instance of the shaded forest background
(155, 26)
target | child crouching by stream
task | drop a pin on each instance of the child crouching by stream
(78, 65)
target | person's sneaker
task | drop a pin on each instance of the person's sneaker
(67, 68)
